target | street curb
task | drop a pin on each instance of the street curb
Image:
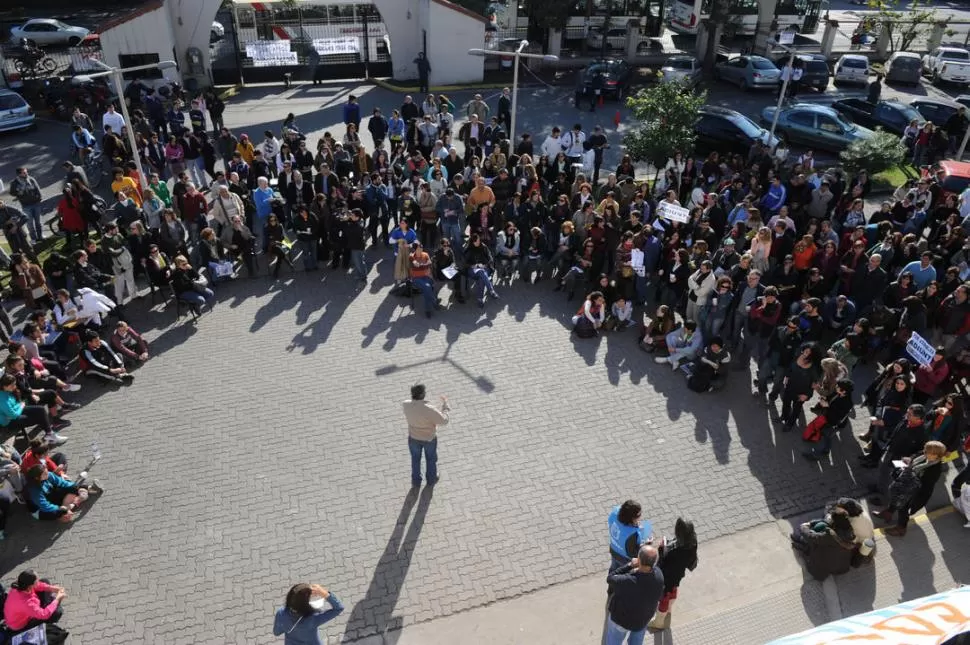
(414, 89)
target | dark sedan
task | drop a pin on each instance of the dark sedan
(936, 111)
(891, 116)
(722, 130)
(611, 76)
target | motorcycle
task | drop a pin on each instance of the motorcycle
(54, 96)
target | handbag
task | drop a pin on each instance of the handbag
(222, 269)
(38, 292)
(199, 285)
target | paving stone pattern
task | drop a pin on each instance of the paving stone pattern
(265, 445)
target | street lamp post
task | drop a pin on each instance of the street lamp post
(116, 77)
(516, 55)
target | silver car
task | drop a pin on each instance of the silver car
(748, 72)
(15, 113)
(44, 31)
(686, 69)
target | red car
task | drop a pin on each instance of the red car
(955, 177)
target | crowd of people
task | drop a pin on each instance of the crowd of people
(779, 261)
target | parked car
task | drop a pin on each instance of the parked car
(950, 64)
(748, 72)
(723, 130)
(681, 68)
(891, 116)
(852, 68)
(904, 67)
(963, 99)
(15, 113)
(45, 31)
(615, 38)
(611, 75)
(816, 126)
(935, 110)
(956, 176)
(815, 71)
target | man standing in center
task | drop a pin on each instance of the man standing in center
(423, 421)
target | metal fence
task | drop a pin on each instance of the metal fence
(17, 66)
(304, 41)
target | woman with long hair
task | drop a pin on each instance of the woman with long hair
(677, 557)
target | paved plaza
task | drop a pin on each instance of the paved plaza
(265, 445)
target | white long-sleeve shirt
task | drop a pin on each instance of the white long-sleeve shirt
(551, 147)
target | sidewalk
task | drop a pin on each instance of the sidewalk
(748, 588)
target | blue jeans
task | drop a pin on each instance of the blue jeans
(451, 230)
(359, 263)
(197, 299)
(427, 292)
(430, 450)
(479, 283)
(615, 635)
(33, 213)
(309, 249)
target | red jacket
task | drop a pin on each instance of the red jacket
(70, 212)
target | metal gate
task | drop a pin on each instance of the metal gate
(265, 40)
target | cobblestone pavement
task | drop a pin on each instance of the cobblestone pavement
(264, 445)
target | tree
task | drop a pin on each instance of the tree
(881, 151)
(666, 113)
(903, 28)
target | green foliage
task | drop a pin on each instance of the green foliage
(665, 113)
(904, 27)
(882, 151)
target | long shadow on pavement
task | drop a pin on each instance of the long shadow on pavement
(374, 613)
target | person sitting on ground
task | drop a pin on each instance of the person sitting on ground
(682, 344)
(655, 330)
(53, 497)
(31, 602)
(16, 415)
(621, 315)
(101, 361)
(827, 545)
(38, 391)
(589, 319)
(35, 350)
(708, 371)
(38, 377)
(834, 411)
(129, 344)
(39, 452)
(69, 312)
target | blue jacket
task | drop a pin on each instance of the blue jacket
(395, 127)
(38, 493)
(774, 198)
(625, 540)
(398, 234)
(261, 198)
(351, 113)
(304, 631)
(10, 408)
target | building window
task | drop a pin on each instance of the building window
(134, 60)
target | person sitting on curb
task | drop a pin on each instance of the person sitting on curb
(827, 545)
(98, 359)
(683, 344)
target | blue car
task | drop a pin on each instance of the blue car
(15, 113)
(816, 126)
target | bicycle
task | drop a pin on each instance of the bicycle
(94, 168)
